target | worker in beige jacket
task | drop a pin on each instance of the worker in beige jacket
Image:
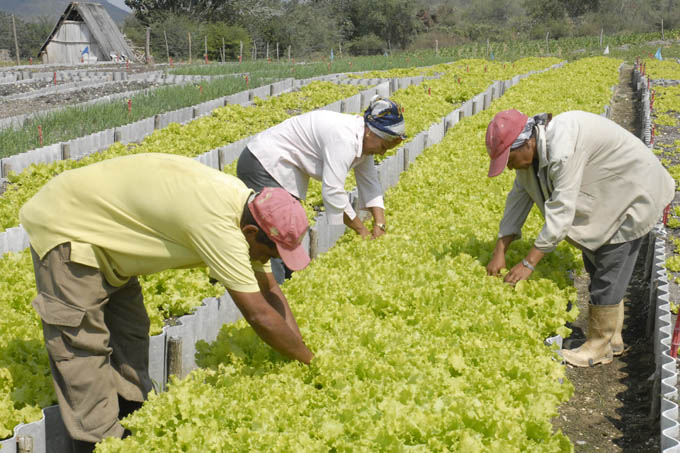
(597, 186)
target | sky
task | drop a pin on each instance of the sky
(120, 4)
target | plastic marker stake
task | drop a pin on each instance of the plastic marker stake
(200, 89)
(666, 211)
(246, 81)
(129, 106)
(40, 137)
(55, 77)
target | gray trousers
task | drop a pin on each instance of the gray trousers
(97, 339)
(252, 173)
(610, 268)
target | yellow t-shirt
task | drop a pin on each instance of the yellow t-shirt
(145, 213)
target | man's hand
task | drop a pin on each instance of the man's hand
(496, 264)
(517, 273)
(270, 325)
(377, 232)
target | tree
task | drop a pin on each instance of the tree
(201, 10)
(394, 21)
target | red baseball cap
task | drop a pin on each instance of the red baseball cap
(283, 219)
(503, 129)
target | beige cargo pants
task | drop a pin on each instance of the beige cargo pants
(97, 338)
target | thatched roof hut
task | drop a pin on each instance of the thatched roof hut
(85, 32)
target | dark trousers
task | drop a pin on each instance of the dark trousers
(610, 268)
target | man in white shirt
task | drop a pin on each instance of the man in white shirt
(326, 145)
(597, 186)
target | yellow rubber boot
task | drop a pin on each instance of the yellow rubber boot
(602, 321)
(617, 340)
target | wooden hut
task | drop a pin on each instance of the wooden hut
(85, 32)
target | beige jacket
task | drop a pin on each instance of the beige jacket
(597, 184)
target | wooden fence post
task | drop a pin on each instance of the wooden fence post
(16, 41)
(189, 33)
(147, 48)
(167, 49)
(174, 357)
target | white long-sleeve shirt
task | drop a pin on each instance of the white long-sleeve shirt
(323, 145)
(596, 184)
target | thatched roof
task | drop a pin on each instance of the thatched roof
(103, 29)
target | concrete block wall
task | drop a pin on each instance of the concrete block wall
(665, 391)
(19, 162)
(83, 146)
(204, 324)
(132, 132)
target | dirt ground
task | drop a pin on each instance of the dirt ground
(610, 410)
(9, 108)
(51, 101)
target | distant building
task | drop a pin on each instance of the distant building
(4, 54)
(85, 33)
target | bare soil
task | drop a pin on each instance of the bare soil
(9, 108)
(610, 410)
(67, 98)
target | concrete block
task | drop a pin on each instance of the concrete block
(451, 120)
(210, 158)
(323, 236)
(204, 324)
(333, 107)
(231, 152)
(157, 361)
(435, 134)
(19, 162)
(383, 89)
(383, 174)
(397, 166)
(414, 148)
(135, 132)
(261, 92)
(240, 98)
(353, 104)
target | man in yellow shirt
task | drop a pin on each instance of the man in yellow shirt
(94, 229)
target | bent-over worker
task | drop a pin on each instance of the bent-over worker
(326, 145)
(597, 186)
(94, 229)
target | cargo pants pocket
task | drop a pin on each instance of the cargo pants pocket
(59, 318)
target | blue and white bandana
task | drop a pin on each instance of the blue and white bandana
(536, 120)
(524, 135)
(383, 117)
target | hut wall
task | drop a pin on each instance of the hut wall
(68, 43)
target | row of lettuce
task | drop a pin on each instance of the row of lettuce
(416, 348)
(25, 384)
